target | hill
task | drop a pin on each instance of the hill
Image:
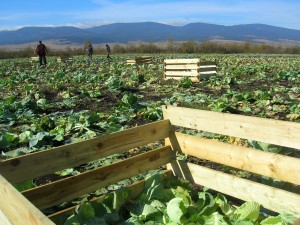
(149, 32)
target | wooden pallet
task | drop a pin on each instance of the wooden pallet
(24, 208)
(194, 69)
(140, 60)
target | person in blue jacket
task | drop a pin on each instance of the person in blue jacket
(90, 53)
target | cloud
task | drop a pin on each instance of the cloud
(221, 12)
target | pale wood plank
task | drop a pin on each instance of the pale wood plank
(140, 60)
(269, 197)
(135, 190)
(182, 67)
(64, 59)
(271, 131)
(76, 186)
(277, 166)
(208, 66)
(17, 210)
(208, 72)
(35, 59)
(181, 73)
(4, 219)
(179, 61)
(67, 156)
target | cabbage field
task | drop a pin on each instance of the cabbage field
(62, 103)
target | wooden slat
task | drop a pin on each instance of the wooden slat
(271, 131)
(208, 66)
(181, 73)
(17, 210)
(178, 61)
(269, 197)
(4, 219)
(135, 190)
(208, 72)
(131, 62)
(182, 67)
(34, 59)
(139, 60)
(273, 165)
(76, 186)
(67, 156)
(64, 59)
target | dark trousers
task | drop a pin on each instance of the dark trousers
(42, 59)
(90, 58)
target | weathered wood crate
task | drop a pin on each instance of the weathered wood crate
(34, 59)
(64, 59)
(24, 208)
(140, 60)
(192, 68)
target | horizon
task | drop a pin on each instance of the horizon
(89, 13)
(181, 25)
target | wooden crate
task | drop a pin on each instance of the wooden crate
(140, 60)
(268, 164)
(34, 59)
(192, 68)
(64, 59)
(24, 208)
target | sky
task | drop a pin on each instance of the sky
(15, 14)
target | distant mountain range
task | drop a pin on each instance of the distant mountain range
(149, 32)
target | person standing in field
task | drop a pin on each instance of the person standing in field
(90, 51)
(41, 51)
(108, 52)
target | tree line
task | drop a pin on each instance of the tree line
(170, 46)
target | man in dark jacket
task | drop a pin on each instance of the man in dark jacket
(41, 51)
(90, 51)
(108, 52)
